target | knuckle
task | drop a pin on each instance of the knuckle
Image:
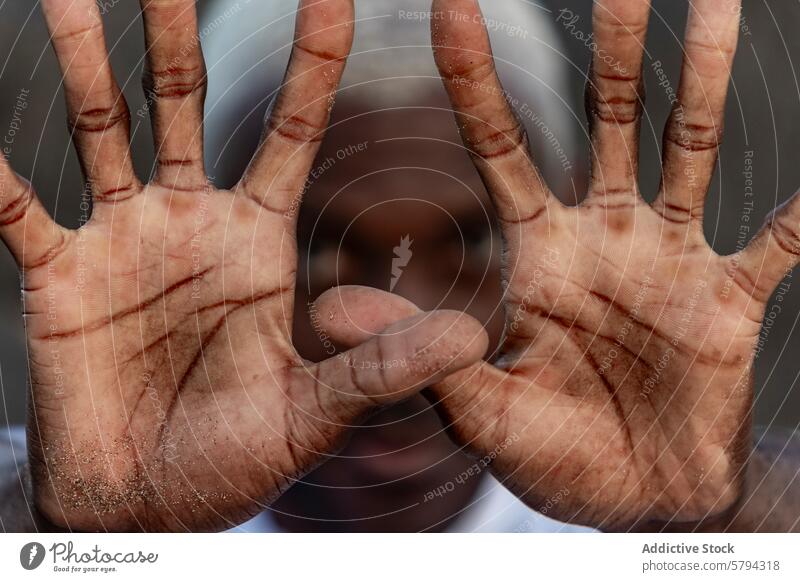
(496, 143)
(102, 118)
(307, 424)
(616, 99)
(14, 207)
(617, 110)
(324, 54)
(79, 35)
(175, 82)
(619, 24)
(115, 194)
(692, 137)
(52, 253)
(784, 232)
(295, 128)
(702, 49)
(678, 213)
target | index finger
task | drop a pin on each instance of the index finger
(300, 115)
(489, 128)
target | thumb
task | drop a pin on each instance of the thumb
(465, 397)
(395, 355)
(354, 314)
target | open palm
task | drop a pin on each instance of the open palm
(625, 372)
(166, 393)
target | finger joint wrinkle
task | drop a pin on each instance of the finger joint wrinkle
(52, 253)
(617, 110)
(114, 195)
(296, 128)
(17, 208)
(499, 144)
(786, 237)
(99, 119)
(326, 56)
(175, 82)
(694, 137)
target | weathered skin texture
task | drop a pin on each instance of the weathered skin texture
(166, 394)
(625, 372)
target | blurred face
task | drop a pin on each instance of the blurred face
(393, 186)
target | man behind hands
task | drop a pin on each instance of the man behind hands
(579, 432)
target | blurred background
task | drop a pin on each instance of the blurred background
(762, 137)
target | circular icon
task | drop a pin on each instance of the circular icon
(31, 555)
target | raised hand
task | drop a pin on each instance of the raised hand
(166, 393)
(626, 366)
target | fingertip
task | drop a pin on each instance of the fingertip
(459, 37)
(351, 314)
(464, 335)
(325, 27)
